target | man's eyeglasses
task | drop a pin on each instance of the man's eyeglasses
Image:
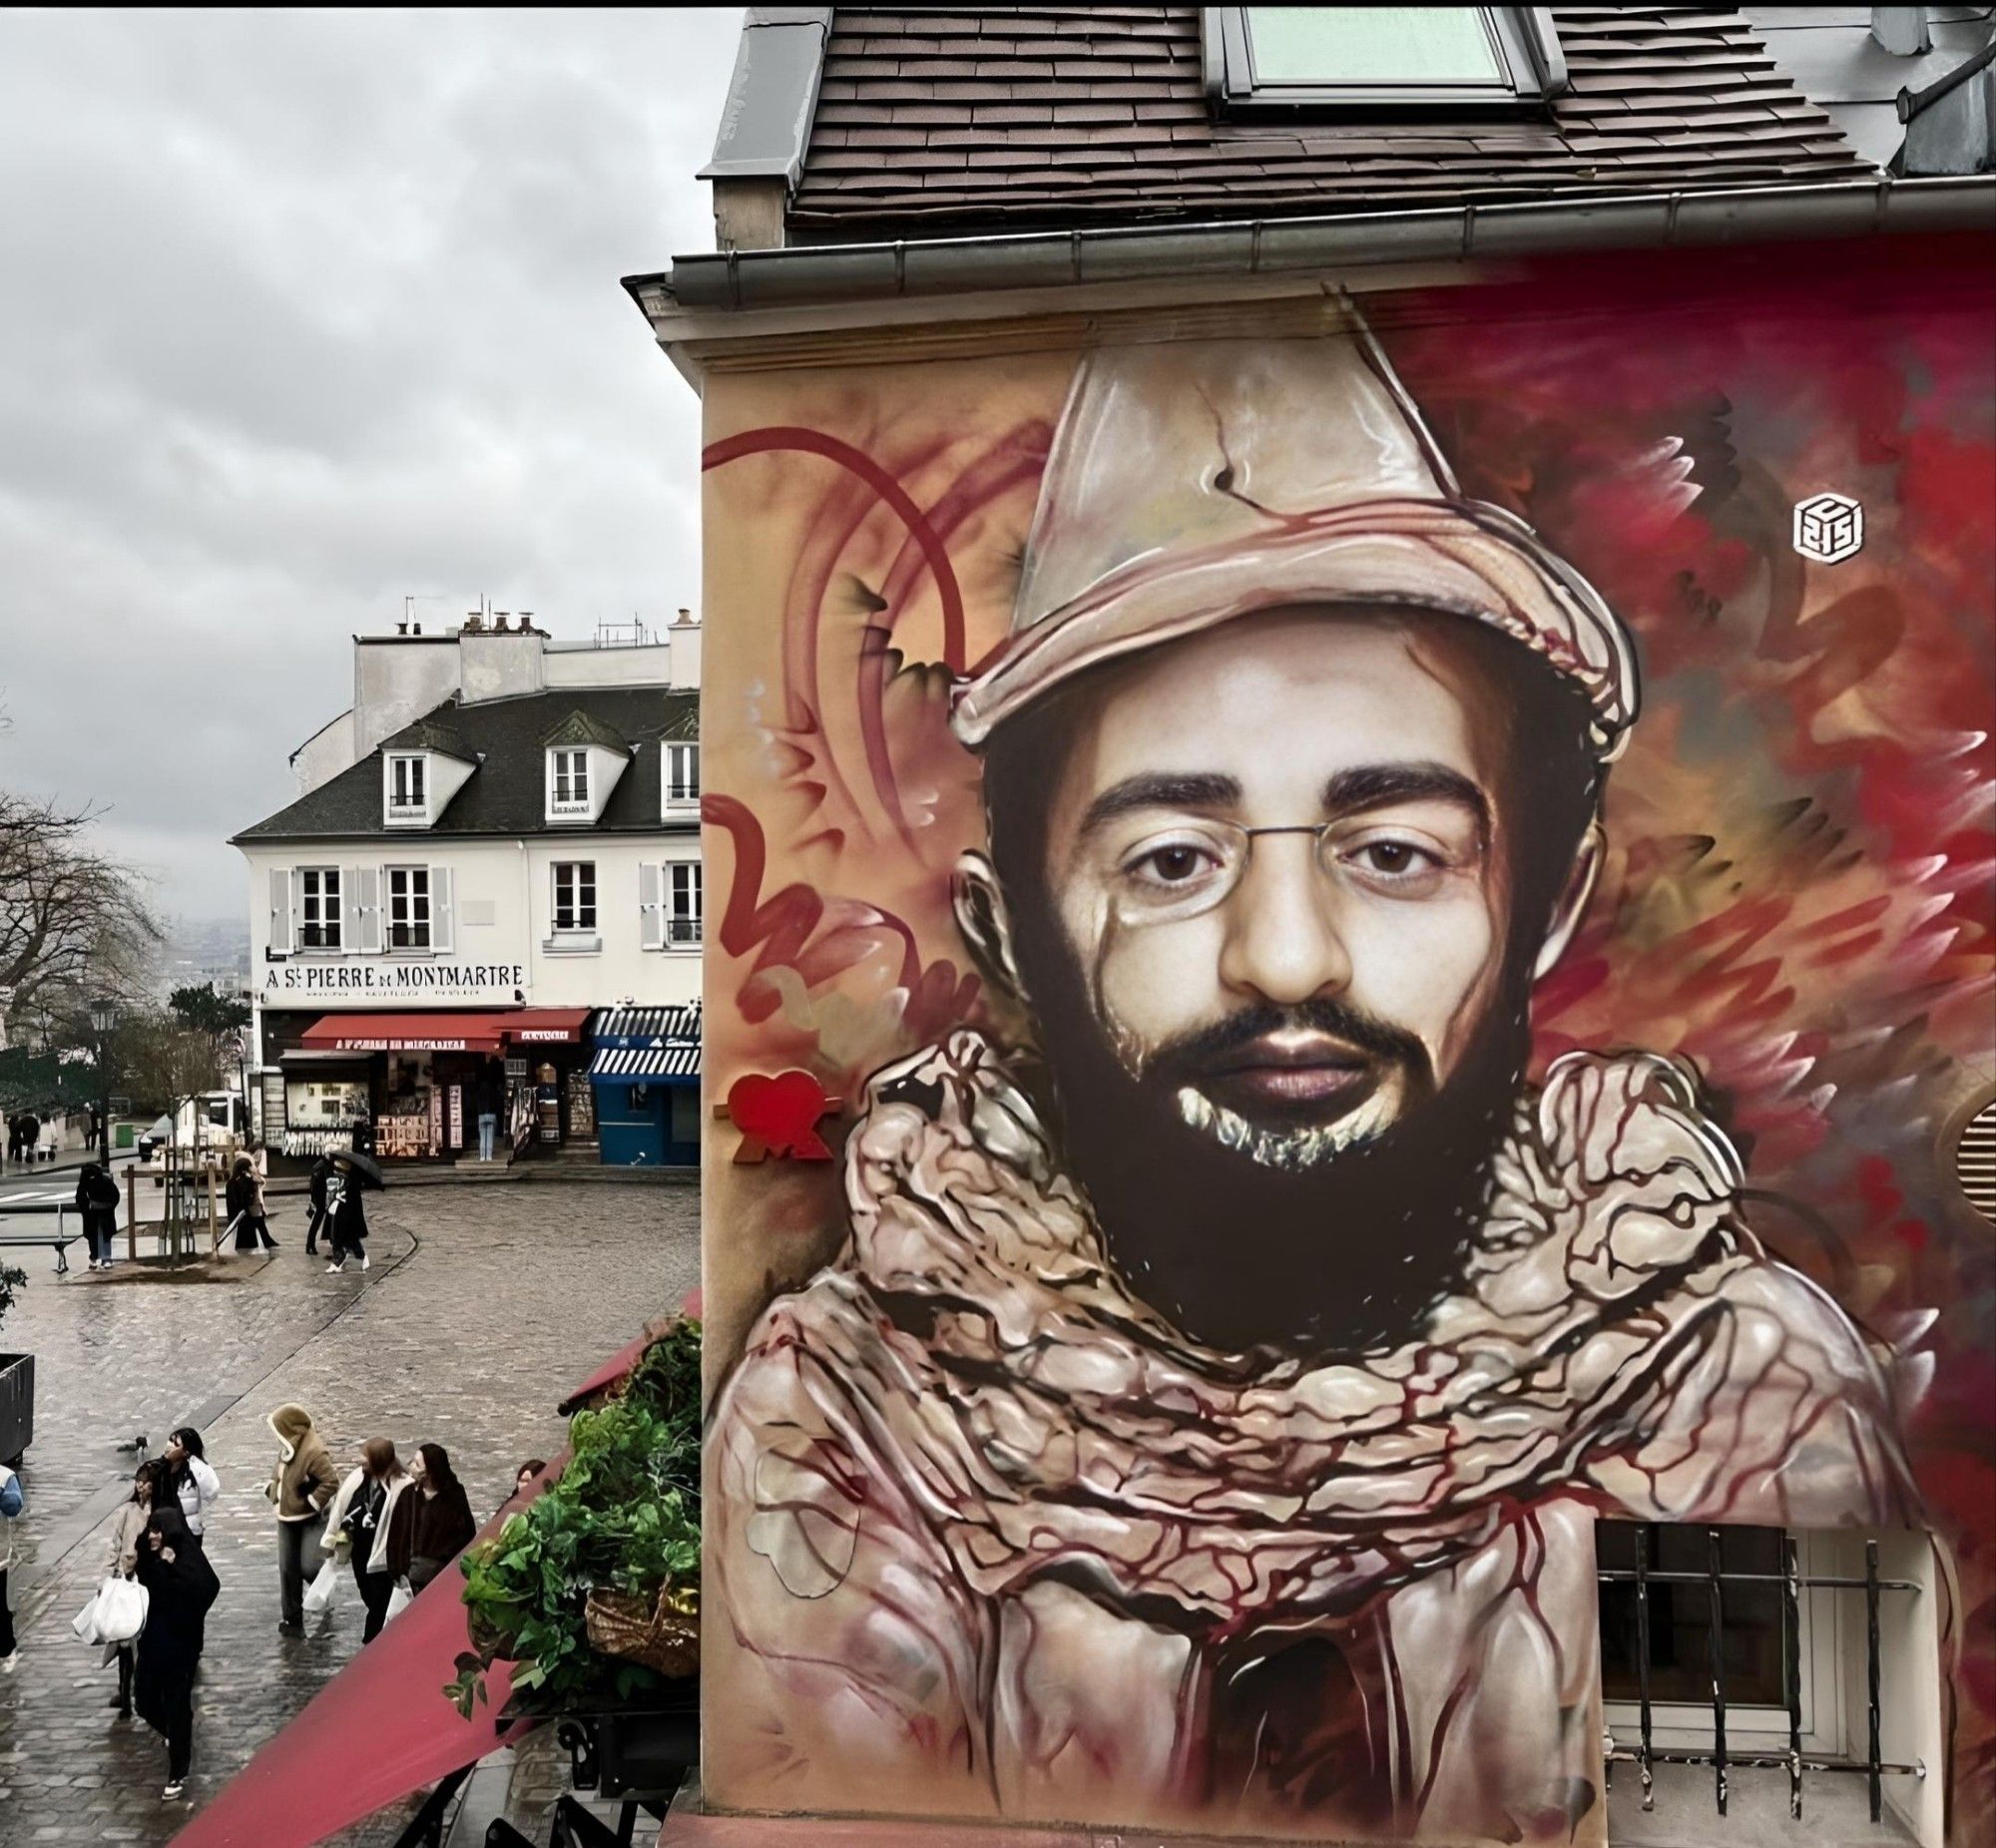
(1191, 867)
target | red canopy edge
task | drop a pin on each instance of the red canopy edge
(468, 1032)
(380, 1728)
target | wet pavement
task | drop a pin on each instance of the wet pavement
(485, 1305)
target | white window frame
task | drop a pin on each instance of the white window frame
(685, 923)
(581, 872)
(404, 770)
(1754, 1730)
(568, 783)
(319, 898)
(405, 876)
(1523, 37)
(673, 786)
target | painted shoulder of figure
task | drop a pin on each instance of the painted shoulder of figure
(1779, 1413)
(823, 1555)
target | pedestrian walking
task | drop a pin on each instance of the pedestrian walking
(31, 1136)
(358, 1524)
(179, 1586)
(194, 1481)
(347, 1218)
(123, 1563)
(97, 1202)
(49, 1136)
(433, 1525)
(245, 1199)
(12, 1506)
(321, 1172)
(237, 1199)
(300, 1486)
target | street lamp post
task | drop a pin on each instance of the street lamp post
(104, 1017)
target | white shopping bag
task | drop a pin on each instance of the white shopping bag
(85, 1621)
(318, 1595)
(116, 1614)
(399, 1600)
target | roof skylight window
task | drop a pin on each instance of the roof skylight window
(1325, 60)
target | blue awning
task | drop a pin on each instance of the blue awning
(647, 1027)
(643, 1065)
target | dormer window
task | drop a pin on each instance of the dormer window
(1319, 60)
(568, 785)
(681, 772)
(409, 788)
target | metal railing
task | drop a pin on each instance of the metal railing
(1792, 1582)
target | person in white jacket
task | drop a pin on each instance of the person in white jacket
(126, 1531)
(193, 1480)
(359, 1526)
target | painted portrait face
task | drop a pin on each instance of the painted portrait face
(1301, 942)
(1274, 896)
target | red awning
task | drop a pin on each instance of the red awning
(544, 1026)
(487, 1032)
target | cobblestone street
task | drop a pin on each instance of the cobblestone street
(485, 1305)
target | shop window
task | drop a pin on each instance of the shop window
(409, 917)
(568, 785)
(682, 775)
(409, 788)
(1324, 60)
(318, 908)
(575, 896)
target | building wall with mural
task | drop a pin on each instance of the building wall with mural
(1347, 940)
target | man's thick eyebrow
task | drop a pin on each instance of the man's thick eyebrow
(1374, 785)
(1160, 790)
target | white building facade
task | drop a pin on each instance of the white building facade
(442, 918)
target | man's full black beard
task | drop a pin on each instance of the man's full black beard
(1338, 1258)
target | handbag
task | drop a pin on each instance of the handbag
(116, 1614)
(399, 1600)
(318, 1595)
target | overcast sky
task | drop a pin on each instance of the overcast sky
(302, 312)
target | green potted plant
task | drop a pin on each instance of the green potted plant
(592, 1592)
(17, 1382)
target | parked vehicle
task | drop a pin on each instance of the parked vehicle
(208, 1124)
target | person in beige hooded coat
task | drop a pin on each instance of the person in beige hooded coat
(302, 1482)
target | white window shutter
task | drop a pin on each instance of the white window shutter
(363, 909)
(652, 906)
(443, 915)
(281, 938)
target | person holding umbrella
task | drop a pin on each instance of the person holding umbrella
(351, 1172)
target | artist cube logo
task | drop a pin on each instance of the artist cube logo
(1829, 528)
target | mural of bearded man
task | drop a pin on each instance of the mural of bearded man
(1204, 1423)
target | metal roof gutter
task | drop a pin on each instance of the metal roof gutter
(819, 275)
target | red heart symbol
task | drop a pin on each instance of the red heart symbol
(780, 1112)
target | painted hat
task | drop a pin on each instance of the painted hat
(1192, 482)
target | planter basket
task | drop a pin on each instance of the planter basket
(651, 1631)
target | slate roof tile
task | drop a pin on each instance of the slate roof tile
(507, 793)
(958, 117)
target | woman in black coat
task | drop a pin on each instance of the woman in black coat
(345, 1219)
(432, 1522)
(179, 1586)
(97, 1201)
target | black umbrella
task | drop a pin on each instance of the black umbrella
(364, 1166)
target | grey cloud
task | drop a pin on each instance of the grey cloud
(302, 312)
